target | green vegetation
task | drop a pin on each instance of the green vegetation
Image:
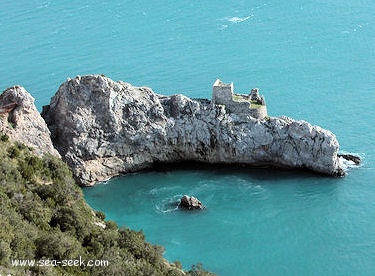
(240, 98)
(243, 98)
(11, 124)
(43, 216)
(255, 104)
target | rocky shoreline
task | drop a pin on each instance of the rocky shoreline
(103, 128)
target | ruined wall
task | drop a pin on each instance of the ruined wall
(222, 93)
(259, 112)
(244, 109)
(239, 107)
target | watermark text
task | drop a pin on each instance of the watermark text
(48, 262)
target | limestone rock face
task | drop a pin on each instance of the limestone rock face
(21, 121)
(103, 128)
(190, 203)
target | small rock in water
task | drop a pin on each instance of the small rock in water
(350, 157)
(190, 203)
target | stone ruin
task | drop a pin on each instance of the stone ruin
(253, 104)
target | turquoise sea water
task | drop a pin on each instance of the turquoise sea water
(313, 60)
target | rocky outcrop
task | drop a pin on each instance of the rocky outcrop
(21, 121)
(190, 203)
(103, 128)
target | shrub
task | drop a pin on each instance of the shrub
(100, 215)
(64, 218)
(198, 270)
(5, 253)
(56, 245)
(111, 225)
(14, 152)
(4, 138)
(44, 191)
(38, 215)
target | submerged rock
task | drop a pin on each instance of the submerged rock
(190, 203)
(103, 128)
(21, 121)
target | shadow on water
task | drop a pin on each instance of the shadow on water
(256, 172)
(160, 188)
(257, 182)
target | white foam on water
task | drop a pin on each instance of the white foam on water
(236, 19)
(168, 205)
(223, 27)
(348, 164)
(44, 5)
(103, 182)
(159, 190)
(160, 209)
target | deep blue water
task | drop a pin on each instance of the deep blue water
(313, 60)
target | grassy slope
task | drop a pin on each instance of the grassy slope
(43, 215)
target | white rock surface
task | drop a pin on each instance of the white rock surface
(24, 124)
(103, 128)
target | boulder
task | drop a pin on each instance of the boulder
(190, 203)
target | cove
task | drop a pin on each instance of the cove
(257, 221)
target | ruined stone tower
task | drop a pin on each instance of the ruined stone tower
(222, 93)
(240, 104)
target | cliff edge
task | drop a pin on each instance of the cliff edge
(103, 128)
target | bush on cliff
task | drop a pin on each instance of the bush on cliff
(43, 217)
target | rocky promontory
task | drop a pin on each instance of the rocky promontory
(103, 128)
